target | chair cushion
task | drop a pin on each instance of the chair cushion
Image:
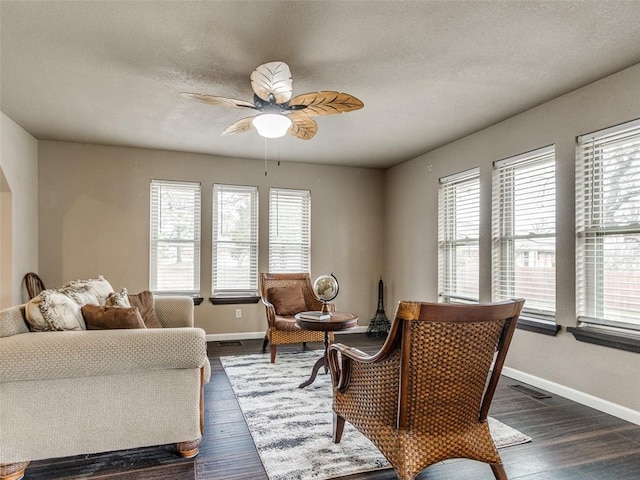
(287, 300)
(287, 324)
(146, 305)
(102, 317)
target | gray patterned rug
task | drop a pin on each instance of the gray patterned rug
(292, 427)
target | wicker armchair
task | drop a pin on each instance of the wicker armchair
(422, 398)
(284, 295)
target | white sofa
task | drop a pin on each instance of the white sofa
(77, 392)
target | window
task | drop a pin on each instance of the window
(608, 227)
(289, 230)
(524, 232)
(175, 237)
(458, 236)
(235, 240)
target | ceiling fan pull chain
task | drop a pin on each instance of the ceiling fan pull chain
(265, 156)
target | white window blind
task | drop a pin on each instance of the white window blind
(289, 230)
(524, 231)
(608, 226)
(235, 240)
(175, 237)
(458, 236)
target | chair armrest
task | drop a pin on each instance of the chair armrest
(271, 312)
(68, 354)
(341, 358)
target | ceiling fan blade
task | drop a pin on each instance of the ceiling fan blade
(214, 100)
(326, 103)
(241, 126)
(302, 126)
(273, 78)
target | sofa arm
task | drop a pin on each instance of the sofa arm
(174, 311)
(69, 354)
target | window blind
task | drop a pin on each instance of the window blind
(175, 237)
(289, 230)
(235, 240)
(608, 226)
(524, 231)
(458, 236)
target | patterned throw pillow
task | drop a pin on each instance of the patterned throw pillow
(98, 287)
(53, 311)
(80, 293)
(118, 299)
(102, 317)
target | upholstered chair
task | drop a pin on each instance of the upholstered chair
(424, 397)
(284, 295)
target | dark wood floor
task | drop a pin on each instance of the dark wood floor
(570, 441)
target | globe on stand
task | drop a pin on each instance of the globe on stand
(326, 288)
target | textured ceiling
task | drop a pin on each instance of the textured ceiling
(428, 72)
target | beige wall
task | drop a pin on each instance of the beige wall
(94, 219)
(411, 253)
(18, 209)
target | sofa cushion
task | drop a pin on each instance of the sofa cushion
(51, 310)
(287, 300)
(144, 302)
(118, 299)
(103, 317)
(98, 287)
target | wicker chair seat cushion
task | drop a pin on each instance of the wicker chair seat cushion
(287, 324)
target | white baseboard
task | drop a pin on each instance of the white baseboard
(589, 400)
(215, 337)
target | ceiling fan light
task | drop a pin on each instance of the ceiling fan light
(272, 125)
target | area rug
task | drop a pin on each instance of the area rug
(291, 427)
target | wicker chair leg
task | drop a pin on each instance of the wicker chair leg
(338, 427)
(498, 471)
(274, 348)
(304, 345)
(264, 343)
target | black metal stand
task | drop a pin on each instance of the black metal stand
(379, 325)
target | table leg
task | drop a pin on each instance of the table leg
(321, 362)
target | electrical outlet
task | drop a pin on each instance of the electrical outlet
(238, 313)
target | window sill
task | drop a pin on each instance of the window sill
(233, 300)
(196, 300)
(619, 339)
(538, 326)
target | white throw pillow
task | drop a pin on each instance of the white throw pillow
(83, 290)
(51, 311)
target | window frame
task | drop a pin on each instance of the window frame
(155, 213)
(448, 240)
(595, 325)
(504, 236)
(278, 241)
(219, 295)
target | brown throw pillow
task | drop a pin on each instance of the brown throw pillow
(103, 317)
(287, 300)
(144, 302)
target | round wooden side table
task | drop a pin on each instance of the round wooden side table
(337, 321)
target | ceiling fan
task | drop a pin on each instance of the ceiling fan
(280, 114)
